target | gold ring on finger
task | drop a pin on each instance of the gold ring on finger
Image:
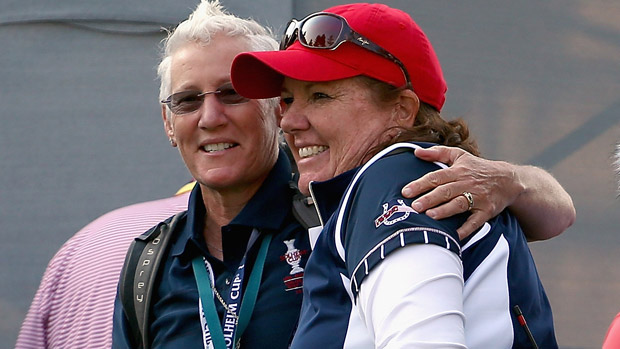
(470, 200)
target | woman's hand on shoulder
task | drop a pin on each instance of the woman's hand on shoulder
(538, 201)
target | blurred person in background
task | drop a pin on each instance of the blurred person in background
(612, 338)
(74, 303)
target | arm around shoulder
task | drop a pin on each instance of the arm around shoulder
(544, 209)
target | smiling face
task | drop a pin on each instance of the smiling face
(225, 147)
(331, 126)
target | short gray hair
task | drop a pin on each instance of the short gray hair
(208, 20)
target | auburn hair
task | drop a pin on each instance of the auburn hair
(428, 126)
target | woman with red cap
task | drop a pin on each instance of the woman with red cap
(361, 89)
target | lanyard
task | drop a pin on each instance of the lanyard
(233, 326)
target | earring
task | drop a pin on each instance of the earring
(398, 133)
(172, 142)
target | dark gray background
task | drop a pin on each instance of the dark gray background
(538, 82)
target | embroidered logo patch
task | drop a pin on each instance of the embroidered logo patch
(293, 281)
(393, 211)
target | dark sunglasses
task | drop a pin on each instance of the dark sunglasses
(189, 101)
(324, 30)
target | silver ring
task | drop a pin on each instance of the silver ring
(470, 200)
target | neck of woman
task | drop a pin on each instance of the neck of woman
(221, 209)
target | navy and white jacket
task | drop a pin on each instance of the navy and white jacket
(481, 279)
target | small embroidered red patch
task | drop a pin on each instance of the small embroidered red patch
(294, 282)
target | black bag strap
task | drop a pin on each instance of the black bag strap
(139, 273)
(303, 209)
(303, 206)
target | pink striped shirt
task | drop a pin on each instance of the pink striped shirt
(74, 303)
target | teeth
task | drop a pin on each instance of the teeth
(311, 151)
(217, 147)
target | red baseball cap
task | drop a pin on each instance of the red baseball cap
(260, 74)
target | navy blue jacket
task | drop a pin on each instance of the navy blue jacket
(367, 219)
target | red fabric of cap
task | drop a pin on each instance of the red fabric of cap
(260, 74)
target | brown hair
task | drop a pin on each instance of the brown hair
(428, 126)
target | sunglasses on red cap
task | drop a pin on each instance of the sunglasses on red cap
(324, 30)
(186, 102)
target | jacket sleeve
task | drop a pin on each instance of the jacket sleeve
(414, 298)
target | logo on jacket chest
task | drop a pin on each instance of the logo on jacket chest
(293, 256)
